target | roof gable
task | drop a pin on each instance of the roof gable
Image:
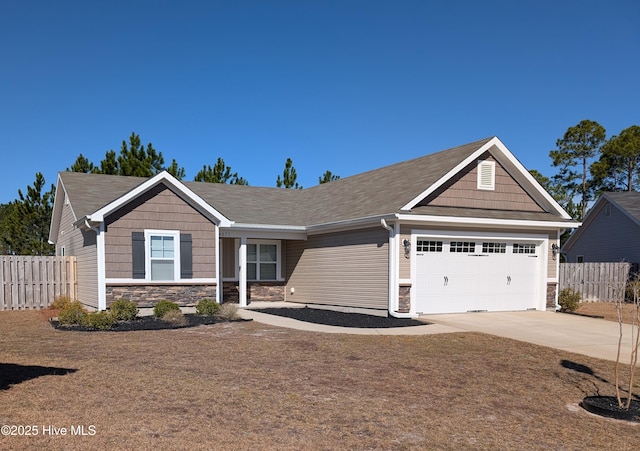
(496, 149)
(627, 203)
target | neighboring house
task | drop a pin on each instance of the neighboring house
(610, 231)
(463, 229)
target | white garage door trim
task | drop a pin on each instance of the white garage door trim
(535, 299)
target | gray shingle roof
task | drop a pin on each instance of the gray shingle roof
(374, 193)
(629, 201)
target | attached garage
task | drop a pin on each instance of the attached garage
(477, 272)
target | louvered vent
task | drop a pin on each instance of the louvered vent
(486, 175)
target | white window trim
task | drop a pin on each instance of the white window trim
(148, 233)
(278, 260)
(487, 168)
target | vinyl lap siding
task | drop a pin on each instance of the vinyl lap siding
(343, 269)
(82, 245)
(612, 238)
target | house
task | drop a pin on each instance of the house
(464, 229)
(610, 231)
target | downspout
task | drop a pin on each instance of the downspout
(102, 284)
(393, 280)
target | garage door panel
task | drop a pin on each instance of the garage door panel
(463, 274)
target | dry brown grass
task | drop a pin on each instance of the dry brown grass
(607, 310)
(247, 385)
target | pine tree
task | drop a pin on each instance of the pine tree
(618, 168)
(327, 177)
(219, 173)
(289, 176)
(579, 144)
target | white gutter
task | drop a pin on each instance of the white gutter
(393, 268)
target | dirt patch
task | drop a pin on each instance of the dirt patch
(607, 311)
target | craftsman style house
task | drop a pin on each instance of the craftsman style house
(464, 229)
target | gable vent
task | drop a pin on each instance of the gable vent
(486, 175)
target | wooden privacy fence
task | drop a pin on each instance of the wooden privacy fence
(596, 281)
(34, 282)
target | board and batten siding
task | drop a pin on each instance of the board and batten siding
(347, 269)
(464, 192)
(82, 245)
(611, 236)
(158, 209)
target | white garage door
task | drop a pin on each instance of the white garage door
(476, 274)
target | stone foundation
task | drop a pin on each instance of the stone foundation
(256, 291)
(404, 299)
(552, 289)
(149, 295)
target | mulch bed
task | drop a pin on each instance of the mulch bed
(143, 323)
(342, 319)
(607, 406)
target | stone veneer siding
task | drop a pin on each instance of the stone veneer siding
(404, 298)
(149, 295)
(256, 291)
(552, 288)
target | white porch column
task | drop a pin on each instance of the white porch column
(242, 272)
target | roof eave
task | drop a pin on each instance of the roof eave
(480, 222)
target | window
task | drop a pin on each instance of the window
(519, 248)
(262, 261)
(162, 255)
(486, 175)
(162, 252)
(607, 210)
(494, 248)
(429, 246)
(462, 246)
(580, 259)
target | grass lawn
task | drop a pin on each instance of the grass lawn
(246, 385)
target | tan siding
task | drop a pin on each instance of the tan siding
(404, 262)
(228, 257)
(343, 269)
(463, 192)
(82, 245)
(158, 209)
(551, 263)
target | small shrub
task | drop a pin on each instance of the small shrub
(72, 313)
(100, 320)
(174, 317)
(60, 302)
(124, 310)
(164, 306)
(228, 311)
(569, 300)
(207, 307)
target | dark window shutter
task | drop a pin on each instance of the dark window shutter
(137, 254)
(186, 257)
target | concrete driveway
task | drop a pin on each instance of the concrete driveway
(589, 336)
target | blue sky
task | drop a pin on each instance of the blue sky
(346, 86)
